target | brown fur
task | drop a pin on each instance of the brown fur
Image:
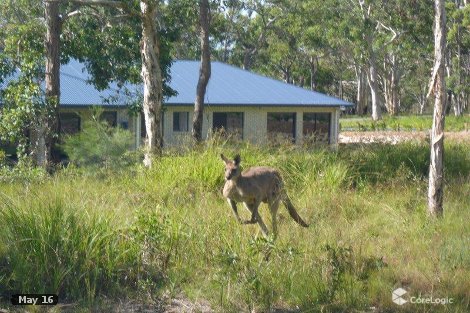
(253, 186)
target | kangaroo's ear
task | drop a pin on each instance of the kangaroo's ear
(224, 158)
(237, 159)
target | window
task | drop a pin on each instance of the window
(316, 127)
(110, 117)
(69, 123)
(143, 131)
(281, 126)
(180, 121)
(229, 122)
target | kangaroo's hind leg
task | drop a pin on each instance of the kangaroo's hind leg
(255, 217)
(273, 208)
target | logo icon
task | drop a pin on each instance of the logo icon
(397, 296)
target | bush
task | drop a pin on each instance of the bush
(98, 144)
(22, 173)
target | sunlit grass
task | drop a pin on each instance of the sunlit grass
(137, 232)
(406, 122)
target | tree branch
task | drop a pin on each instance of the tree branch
(109, 3)
(69, 15)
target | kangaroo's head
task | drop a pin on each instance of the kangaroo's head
(232, 167)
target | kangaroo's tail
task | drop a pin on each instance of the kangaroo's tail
(293, 213)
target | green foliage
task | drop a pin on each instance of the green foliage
(22, 104)
(22, 73)
(23, 173)
(99, 144)
(22, 49)
(104, 41)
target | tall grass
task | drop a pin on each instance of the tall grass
(169, 230)
(55, 247)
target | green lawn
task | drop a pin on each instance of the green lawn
(92, 234)
(408, 122)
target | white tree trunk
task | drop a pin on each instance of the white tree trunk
(391, 84)
(313, 62)
(372, 75)
(422, 100)
(152, 78)
(458, 107)
(438, 88)
(374, 90)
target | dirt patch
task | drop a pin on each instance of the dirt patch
(394, 137)
(184, 305)
(179, 304)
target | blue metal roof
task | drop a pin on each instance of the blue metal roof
(228, 86)
(76, 89)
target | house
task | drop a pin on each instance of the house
(247, 105)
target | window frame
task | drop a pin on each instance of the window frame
(187, 121)
(306, 133)
(74, 115)
(293, 134)
(230, 131)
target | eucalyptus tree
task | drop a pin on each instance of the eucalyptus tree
(285, 48)
(228, 22)
(241, 28)
(380, 39)
(280, 55)
(437, 87)
(183, 15)
(372, 34)
(410, 23)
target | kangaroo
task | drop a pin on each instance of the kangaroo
(253, 186)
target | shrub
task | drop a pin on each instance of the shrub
(98, 144)
(22, 172)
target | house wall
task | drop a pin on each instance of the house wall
(254, 122)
